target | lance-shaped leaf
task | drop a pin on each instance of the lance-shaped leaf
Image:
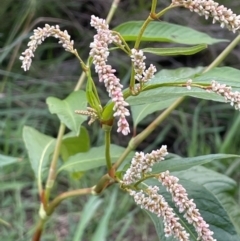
(165, 32)
(180, 163)
(7, 160)
(208, 205)
(65, 109)
(39, 147)
(94, 158)
(174, 51)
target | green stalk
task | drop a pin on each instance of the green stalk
(112, 10)
(153, 7)
(143, 28)
(65, 195)
(52, 170)
(107, 129)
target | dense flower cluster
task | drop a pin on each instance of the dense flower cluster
(100, 52)
(40, 34)
(181, 200)
(142, 164)
(209, 8)
(156, 203)
(227, 93)
(141, 74)
(152, 201)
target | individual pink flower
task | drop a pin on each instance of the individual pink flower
(100, 52)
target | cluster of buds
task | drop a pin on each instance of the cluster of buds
(142, 164)
(152, 201)
(92, 113)
(100, 52)
(209, 8)
(39, 35)
(141, 74)
(181, 200)
(227, 93)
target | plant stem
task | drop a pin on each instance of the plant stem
(143, 28)
(147, 131)
(104, 182)
(158, 15)
(153, 7)
(107, 129)
(112, 10)
(38, 230)
(52, 170)
(65, 195)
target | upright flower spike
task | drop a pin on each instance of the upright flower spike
(155, 203)
(209, 8)
(100, 52)
(39, 35)
(181, 200)
(141, 74)
(142, 164)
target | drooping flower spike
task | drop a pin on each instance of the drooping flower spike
(39, 35)
(100, 52)
(155, 203)
(209, 8)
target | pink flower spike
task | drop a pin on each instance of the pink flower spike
(181, 200)
(100, 52)
(209, 8)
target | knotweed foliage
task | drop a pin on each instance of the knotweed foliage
(188, 214)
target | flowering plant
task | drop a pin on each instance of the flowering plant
(195, 213)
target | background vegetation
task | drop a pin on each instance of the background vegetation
(195, 128)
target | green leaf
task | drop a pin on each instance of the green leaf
(7, 160)
(65, 109)
(94, 158)
(72, 144)
(102, 230)
(224, 75)
(207, 204)
(175, 50)
(220, 186)
(39, 147)
(86, 215)
(164, 93)
(139, 112)
(165, 32)
(178, 164)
